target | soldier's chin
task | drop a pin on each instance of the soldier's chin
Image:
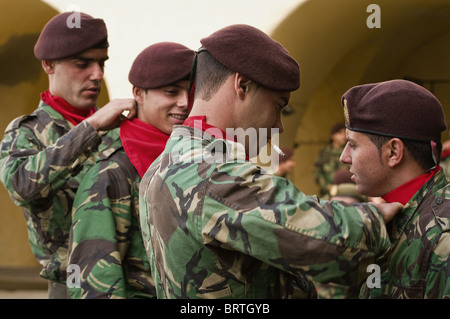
(87, 102)
(361, 190)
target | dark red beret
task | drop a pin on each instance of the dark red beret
(251, 52)
(60, 39)
(342, 175)
(161, 64)
(336, 128)
(343, 186)
(396, 108)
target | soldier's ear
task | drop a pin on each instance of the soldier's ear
(138, 94)
(395, 151)
(241, 85)
(48, 66)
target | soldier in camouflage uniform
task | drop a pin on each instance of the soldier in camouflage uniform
(327, 161)
(445, 158)
(394, 142)
(106, 241)
(43, 155)
(216, 225)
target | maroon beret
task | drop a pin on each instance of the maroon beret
(343, 186)
(396, 108)
(161, 64)
(61, 37)
(336, 128)
(251, 52)
(342, 176)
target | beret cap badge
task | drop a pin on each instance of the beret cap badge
(346, 116)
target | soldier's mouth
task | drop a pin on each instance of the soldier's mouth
(353, 177)
(180, 117)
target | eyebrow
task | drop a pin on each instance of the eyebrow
(351, 140)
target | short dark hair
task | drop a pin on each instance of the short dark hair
(210, 75)
(421, 152)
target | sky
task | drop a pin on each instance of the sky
(135, 24)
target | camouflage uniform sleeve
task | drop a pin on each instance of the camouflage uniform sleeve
(267, 217)
(99, 238)
(438, 278)
(30, 169)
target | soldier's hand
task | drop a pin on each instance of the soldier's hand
(389, 210)
(108, 117)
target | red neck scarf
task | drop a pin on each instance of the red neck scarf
(142, 142)
(70, 113)
(406, 191)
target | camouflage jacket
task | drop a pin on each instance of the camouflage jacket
(335, 291)
(418, 265)
(326, 164)
(445, 163)
(106, 242)
(218, 226)
(42, 160)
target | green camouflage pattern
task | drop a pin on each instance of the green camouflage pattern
(326, 164)
(417, 265)
(336, 291)
(445, 163)
(106, 241)
(42, 160)
(218, 226)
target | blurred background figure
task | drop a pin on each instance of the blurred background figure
(344, 189)
(445, 157)
(286, 163)
(327, 161)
